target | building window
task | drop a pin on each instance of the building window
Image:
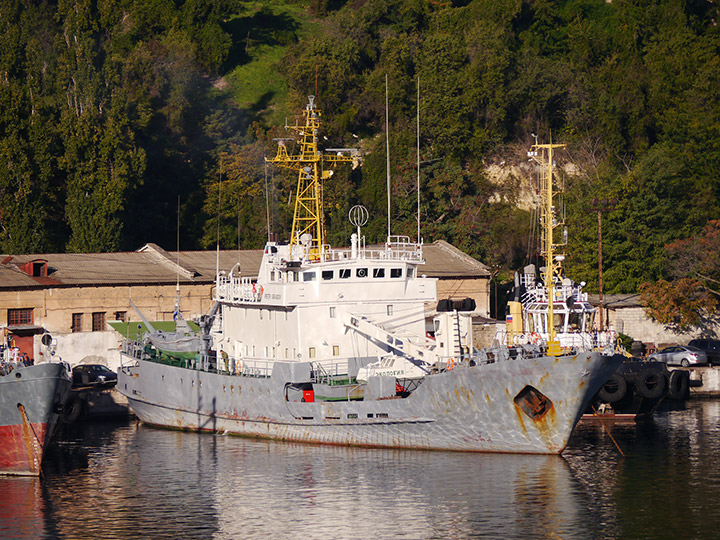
(98, 321)
(121, 316)
(19, 316)
(76, 322)
(39, 269)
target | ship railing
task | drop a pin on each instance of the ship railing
(252, 367)
(230, 288)
(397, 248)
(578, 341)
(132, 348)
(329, 371)
(536, 294)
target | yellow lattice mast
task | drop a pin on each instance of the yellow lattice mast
(549, 221)
(308, 220)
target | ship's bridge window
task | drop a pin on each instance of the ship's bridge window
(396, 272)
(411, 272)
(576, 322)
(361, 272)
(378, 272)
(309, 276)
(344, 273)
(327, 274)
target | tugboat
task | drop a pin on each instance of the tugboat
(329, 346)
(31, 402)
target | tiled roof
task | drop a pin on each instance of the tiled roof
(616, 301)
(152, 265)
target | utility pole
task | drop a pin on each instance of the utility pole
(601, 206)
(493, 279)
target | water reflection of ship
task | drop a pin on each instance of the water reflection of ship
(161, 484)
(21, 507)
(364, 493)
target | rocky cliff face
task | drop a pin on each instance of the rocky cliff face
(519, 182)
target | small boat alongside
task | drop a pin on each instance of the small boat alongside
(31, 402)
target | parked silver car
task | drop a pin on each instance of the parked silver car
(679, 355)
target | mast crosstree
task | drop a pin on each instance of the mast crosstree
(308, 219)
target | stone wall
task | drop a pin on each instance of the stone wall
(459, 289)
(633, 322)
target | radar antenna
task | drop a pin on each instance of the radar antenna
(310, 163)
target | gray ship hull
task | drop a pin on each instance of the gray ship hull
(523, 405)
(31, 398)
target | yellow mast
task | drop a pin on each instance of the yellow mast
(309, 162)
(548, 222)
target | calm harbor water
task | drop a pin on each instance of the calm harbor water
(127, 481)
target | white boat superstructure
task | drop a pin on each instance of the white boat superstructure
(573, 315)
(347, 308)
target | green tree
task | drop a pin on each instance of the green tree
(30, 194)
(100, 159)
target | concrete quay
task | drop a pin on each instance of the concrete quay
(704, 381)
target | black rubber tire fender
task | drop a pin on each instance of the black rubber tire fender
(651, 383)
(614, 389)
(679, 386)
(73, 409)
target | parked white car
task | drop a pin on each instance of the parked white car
(680, 355)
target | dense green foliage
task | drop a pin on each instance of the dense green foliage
(112, 110)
